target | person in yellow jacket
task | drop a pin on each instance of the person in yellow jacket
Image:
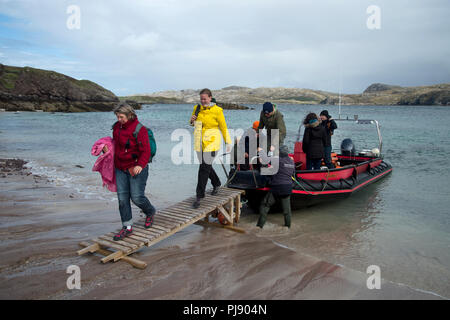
(209, 123)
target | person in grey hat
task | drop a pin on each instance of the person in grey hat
(280, 187)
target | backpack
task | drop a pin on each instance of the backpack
(151, 137)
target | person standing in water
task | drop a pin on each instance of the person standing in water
(280, 187)
(131, 157)
(209, 123)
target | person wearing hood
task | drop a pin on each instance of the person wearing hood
(330, 125)
(280, 186)
(314, 140)
(271, 118)
(131, 157)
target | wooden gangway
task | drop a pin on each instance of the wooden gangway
(226, 204)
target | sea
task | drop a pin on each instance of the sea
(400, 224)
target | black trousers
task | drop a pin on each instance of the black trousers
(205, 172)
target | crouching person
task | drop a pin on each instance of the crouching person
(131, 167)
(280, 187)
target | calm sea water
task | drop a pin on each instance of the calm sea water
(401, 223)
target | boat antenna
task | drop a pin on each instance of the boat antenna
(340, 89)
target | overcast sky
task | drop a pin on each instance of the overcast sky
(146, 46)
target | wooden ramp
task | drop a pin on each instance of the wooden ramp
(226, 204)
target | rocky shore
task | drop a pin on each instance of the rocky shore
(30, 89)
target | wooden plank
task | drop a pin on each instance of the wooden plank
(112, 256)
(179, 220)
(109, 244)
(204, 206)
(139, 237)
(90, 248)
(238, 208)
(127, 239)
(121, 242)
(185, 213)
(187, 207)
(219, 225)
(134, 262)
(147, 236)
(215, 204)
(170, 218)
(154, 228)
(169, 221)
(218, 202)
(228, 191)
(231, 211)
(160, 227)
(150, 231)
(168, 234)
(225, 213)
(174, 215)
(163, 223)
(189, 204)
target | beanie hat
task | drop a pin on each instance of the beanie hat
(267, 107)
(284, 151)
(325, 113)
(255, 125)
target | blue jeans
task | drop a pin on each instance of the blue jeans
(327, 157)
(133, 188)
(313, 164)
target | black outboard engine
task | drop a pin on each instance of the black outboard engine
(347, 147)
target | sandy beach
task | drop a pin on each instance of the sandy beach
(42, 224)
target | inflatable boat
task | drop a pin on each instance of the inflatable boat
(353, 172)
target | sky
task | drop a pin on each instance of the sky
(144, 46)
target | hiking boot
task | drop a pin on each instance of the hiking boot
(148, 221)
(196, 203)
(123, 233)
(215, 191)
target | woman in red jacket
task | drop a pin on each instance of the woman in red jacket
(131, 158)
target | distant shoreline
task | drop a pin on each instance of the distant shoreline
(375, 94)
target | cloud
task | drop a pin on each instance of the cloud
(145, 46)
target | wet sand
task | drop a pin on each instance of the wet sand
(41, 225)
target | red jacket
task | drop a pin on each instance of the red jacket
(129, 152)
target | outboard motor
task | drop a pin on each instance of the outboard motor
(347, 147)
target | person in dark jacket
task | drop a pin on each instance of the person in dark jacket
(131, 158)
(314, 140)
(271, 118)
(330, 125)
(280, 187)
(247, 147)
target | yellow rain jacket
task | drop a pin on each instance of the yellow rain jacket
(208, 127)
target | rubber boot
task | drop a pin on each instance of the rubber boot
(264, 208)
(286, 204)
